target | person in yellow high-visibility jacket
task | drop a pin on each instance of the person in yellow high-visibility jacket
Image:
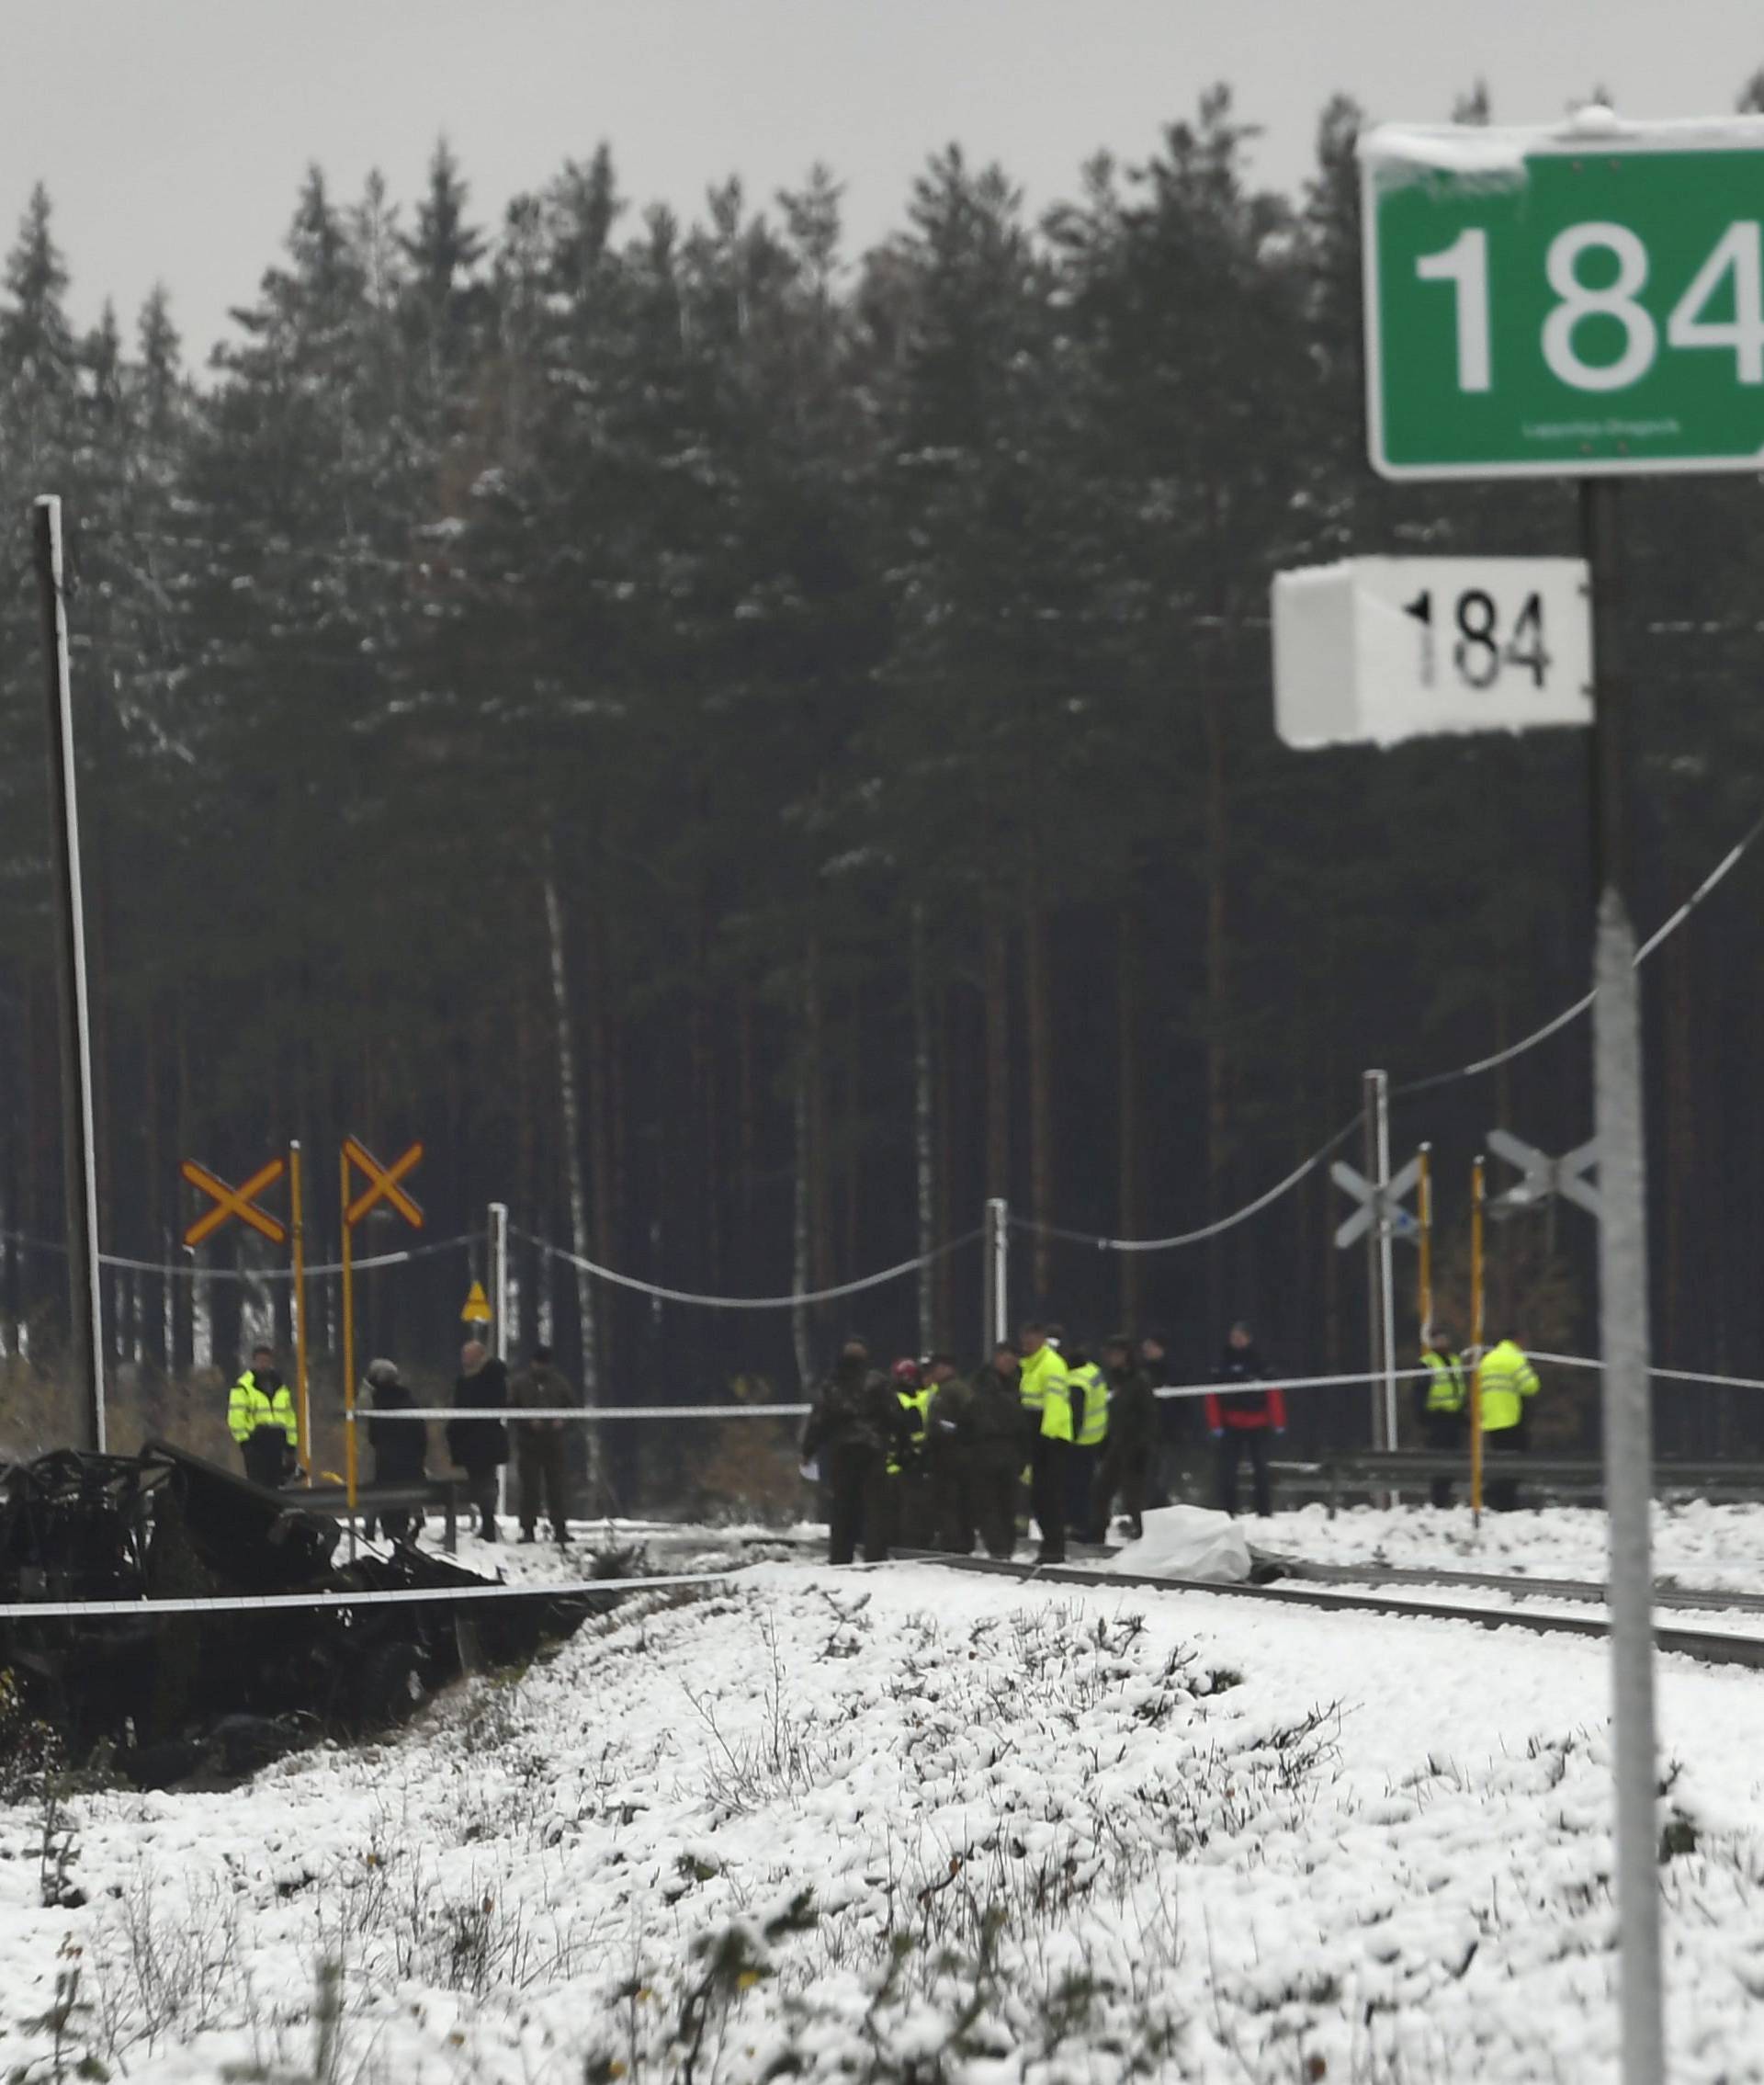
(1442, 1401)
(260, 1417)
(1046, 1393)
(1509, 1384)
(1089, 1430)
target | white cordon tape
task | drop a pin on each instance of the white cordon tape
(1288, 1383)
(593, 1414)
(589, 1413)
(260, 1602)
(1665, 1374)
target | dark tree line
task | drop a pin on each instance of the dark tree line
(750, 750)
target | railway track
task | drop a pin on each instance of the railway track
(1519, 1588)
(1709, 1647)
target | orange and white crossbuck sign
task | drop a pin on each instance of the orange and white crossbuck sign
(382, 1182)
(230, 1202)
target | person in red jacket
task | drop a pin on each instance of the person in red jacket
(1241, 1419)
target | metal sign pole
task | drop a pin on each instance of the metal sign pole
(1424, 1208)
(1478, 1335)
(499, 1278)
(1623, 1311)
(79, 1139)
(1387, 1273)
(1377, 1164)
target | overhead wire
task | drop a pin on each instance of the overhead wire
(1199, 1235)
(790, 1301)
(1475, 1069)
(187, 1270)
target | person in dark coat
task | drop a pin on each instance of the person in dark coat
(1131, 1441)
(851, 1427)
(541, 1446)
(992, 1434)
(1242, 1419)
(1171, 1448)
(401, 1446)
(479, 1447)
(949, 1456)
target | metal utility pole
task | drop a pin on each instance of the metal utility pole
(1380, 1273)
(1623, 1306)
(79, 1140)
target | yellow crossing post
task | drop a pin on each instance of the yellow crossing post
(297, 1232)
(348, 1353)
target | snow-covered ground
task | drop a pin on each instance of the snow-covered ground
(1711, 1549)
(902, 1824)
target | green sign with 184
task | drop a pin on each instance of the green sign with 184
(1564, 302)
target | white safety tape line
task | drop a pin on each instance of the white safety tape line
(258, 1603)
(581, 1412)
(1286, 1383)
(1665, 1375)
(591, 1414)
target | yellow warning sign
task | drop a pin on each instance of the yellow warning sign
(477, 1310)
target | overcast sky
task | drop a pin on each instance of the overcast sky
(172, 133)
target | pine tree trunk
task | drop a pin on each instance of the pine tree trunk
(709, 1166)
(820, 1242)
(854, 1137)
(570, 1112)
(943, 1168)
(748, 1108)
(184, 1292)
(924, 1131)
(529, 1201)
(600, 1157)
(1218, 990)
(803, 1122)
(997, 975)
(1037, 992)
(1130, 956)
(1680, 1161)
(153, 1195)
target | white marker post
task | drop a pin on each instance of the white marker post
(998, 1272)
(79, 1137)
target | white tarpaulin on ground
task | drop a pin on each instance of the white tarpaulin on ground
(1187, 1542)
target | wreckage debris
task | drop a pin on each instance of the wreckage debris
(212, 1696)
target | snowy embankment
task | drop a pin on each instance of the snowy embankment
(904, 1825)
(1696, 1546)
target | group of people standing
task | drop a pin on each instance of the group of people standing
(926, 1458)
(261, 1419)
(1443, 1405)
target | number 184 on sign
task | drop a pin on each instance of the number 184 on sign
(1566, 302)
(1374, 650)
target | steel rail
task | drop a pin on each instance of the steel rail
(1708, 1646)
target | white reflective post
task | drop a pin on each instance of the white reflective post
(998, 1271)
